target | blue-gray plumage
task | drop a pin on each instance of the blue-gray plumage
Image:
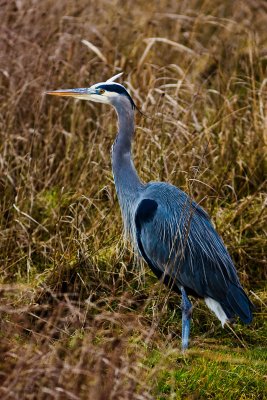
(170, 231)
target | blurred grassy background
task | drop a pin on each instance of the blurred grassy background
(81, 319)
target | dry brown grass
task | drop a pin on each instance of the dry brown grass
(77, 310)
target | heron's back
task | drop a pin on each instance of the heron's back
(179, 240)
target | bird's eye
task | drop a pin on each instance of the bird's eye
(101, 91)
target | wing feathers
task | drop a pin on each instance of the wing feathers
(239, 302)
(178, 241)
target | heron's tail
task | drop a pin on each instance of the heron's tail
(238, 303)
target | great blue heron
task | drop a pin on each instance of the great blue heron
(173, 233)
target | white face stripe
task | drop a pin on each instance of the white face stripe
(111, 94)
(96, 98)
(113, 90)
(107, 95)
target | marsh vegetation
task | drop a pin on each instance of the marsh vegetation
(80, 317)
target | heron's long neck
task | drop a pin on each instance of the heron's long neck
(127, 182)
(125, 175)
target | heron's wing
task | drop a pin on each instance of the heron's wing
(178, 241)
(145, 217)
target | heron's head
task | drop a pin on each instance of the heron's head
(108, 92)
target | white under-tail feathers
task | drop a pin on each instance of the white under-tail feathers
(217, 309)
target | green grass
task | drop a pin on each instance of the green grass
(213, 373)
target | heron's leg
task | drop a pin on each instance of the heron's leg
(186, 318)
